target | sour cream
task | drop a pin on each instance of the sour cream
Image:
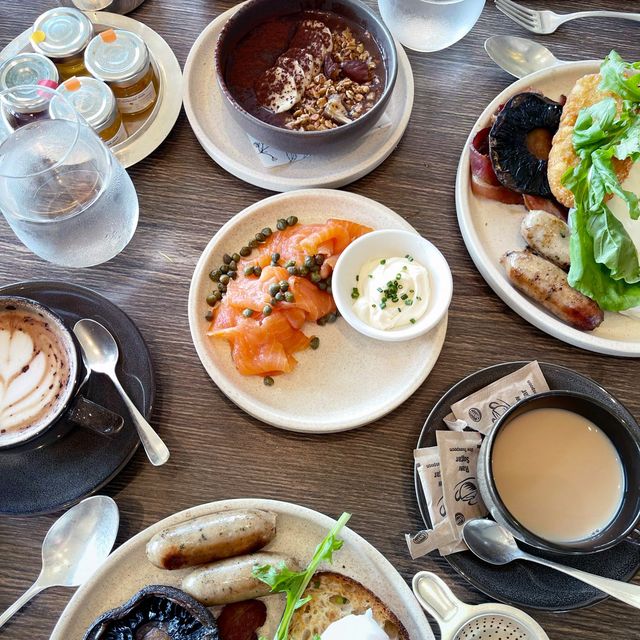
(354, 627)
(391, 292)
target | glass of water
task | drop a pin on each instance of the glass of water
(62, 191)
(430, 25)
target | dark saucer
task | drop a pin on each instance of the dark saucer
(56, 476)
(524, 584)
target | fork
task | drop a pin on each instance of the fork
(545, 22)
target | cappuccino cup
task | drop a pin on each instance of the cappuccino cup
(41, 375)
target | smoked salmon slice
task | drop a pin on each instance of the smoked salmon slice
(265, 332)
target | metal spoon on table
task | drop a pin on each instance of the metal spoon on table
(495, 545)
(73, 549)
(519, 56)
(101, 353)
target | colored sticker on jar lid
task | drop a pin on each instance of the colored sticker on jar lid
(72, 84)
(51, 84)
(38, 36)
(108, 36)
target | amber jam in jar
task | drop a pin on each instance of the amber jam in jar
(121, 59)
(62, 35)
(95, 102)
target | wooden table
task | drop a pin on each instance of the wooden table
(220, 452)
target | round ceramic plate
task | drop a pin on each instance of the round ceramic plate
(490, 229)
(299, 531)
(54, 477)
(364, 378)
(155, 127)
(524, 584)
(226, 142)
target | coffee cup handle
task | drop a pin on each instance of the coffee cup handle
(89, 415)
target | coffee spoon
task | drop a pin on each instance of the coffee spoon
(495, 545)
(73, 549)
(101, 353)
(519, 56)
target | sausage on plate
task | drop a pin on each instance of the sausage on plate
(548, 236)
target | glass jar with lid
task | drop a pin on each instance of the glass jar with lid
(62, 35)
(22, 70)
(95, 102)
(121, 59)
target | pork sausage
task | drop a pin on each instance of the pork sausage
(212, 537)
(548, 236)
(232, 580)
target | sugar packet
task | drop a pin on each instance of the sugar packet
(481, 409)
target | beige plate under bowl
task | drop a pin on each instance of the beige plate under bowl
(227, 143)
(491, 228)
(350, 380)
(148, 131)
(299, 531)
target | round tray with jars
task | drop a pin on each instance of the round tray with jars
(136, 135)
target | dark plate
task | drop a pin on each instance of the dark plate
(56, 476)
(524, 584)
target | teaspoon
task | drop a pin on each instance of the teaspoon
(101, 352)
(519, 56)
(495, 545)
(73, 549)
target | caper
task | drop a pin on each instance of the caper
(217, 295)
(315, 268)
(247, 313)
(273, 289)
(332, 317)
(233, 266)
(214, 275)
(257, 270)
(208, 316)
(266, 310)
(290, 263)
(225, 279)
(211, 300)
(266, 232)
(233, 274)
(260, 237)
(226, 258)
(292, 220)
(268, 381)
(281, 224)
(236, 257)
(273, 302)
(279, 296)
(248, 271)
(284, 285)
(304, 271)
(314, 343)
(289, 297)
(245, 251)
(322, 285)
(309, 261)
(253, 243)
(322, 321)
(315, 277)
(274, 258)
(319, 258)
(224, 268)
(293, 270)
(222, 287)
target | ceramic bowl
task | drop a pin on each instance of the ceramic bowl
(256, 12)
(390, 243)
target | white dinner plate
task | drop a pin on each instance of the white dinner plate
(490, 228)
(350, 380)
(225, 141)
(127, 570)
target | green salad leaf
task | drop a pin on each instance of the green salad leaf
(604, 259)
(293, 583)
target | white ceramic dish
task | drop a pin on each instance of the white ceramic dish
(152, 129)
(299, 531)
(347, 366)
(490, 229)
(389, 244)
(227, 143)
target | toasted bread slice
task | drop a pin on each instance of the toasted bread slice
(334, 596)
(562, 155)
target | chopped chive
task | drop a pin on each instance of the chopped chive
(412, 321)
(383, 262)
(355, 294)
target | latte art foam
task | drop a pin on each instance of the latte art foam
(34, 373)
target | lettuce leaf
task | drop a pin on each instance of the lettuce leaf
(620, 78)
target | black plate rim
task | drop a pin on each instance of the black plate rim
(4, 289)
(451, 560)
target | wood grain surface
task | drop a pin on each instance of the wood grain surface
(219, 452)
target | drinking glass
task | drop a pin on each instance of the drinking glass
(62, 191)
(430, 25)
